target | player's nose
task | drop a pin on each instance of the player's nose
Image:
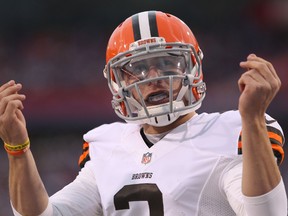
(153, 72)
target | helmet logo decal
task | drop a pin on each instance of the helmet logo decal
(146, 41)
(144, 25)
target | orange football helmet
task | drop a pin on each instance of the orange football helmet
(154, 36)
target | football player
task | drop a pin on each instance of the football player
(166, 159)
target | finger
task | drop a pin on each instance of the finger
(8, 99)
(244, 80)
(255, 76)
(253, 57)
(263, 70)
(252, 80)
(20, 116)
(9, 89)
(12, 107)
(5, 85)
(260, 67)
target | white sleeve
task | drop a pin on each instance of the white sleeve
(79, 198)
(272, 203)
(47, 212)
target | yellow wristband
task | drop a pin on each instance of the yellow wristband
(17, 149)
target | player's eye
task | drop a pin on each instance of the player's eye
(163, 64)
(169, 73)
(138, 69)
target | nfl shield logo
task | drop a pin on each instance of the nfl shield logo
(146, 158)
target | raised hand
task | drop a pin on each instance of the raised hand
(12, 122)
(258, 86)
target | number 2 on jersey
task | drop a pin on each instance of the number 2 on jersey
(140, 192)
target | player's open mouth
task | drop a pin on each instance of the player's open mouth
(157, 98)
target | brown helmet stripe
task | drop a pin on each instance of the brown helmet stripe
(153, 23)
(136, 27)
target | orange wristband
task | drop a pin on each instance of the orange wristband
(17, 149)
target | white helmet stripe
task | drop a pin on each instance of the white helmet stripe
(144, 25)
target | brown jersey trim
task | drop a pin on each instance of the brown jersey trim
(276, 139)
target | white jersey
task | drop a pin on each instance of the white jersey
(188, 172)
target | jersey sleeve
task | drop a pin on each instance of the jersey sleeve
(47, 212)
(272, 203)
(276, 138)
(80, 197)
(94, 135)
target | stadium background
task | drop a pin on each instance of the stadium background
(56, 49)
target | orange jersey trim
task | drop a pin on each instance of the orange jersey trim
(84, 157)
